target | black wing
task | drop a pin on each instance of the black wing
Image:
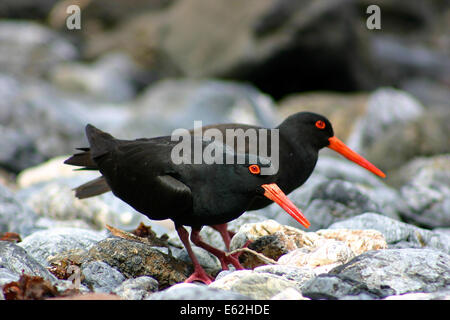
(140, 173)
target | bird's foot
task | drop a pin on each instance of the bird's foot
(230, 259)
(233, 257)
(200, 275)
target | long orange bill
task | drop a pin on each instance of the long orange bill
(274, 193)
(340, 147)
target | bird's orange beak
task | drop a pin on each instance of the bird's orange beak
(274, 193)
(340, 147)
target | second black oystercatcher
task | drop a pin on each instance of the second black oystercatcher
(143, 174)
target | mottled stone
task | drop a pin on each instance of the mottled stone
(358, 241)
(326, 253)
(135, 259)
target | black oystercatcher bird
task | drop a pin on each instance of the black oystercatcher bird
(301, 136)
(143, 174)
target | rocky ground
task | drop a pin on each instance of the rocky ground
(369, 238)
(357, 246)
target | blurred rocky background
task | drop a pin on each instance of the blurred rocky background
(140, 68)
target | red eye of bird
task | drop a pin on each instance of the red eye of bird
(254, 169)
(320, 124)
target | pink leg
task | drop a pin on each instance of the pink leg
(199, 273)
(225, 233)
(226, 236)
(221, 255)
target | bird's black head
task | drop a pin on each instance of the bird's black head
(308, 128)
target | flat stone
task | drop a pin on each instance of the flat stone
(134, 259)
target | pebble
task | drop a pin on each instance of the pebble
(139, 288)
(101, 277)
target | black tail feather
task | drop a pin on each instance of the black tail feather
(92, 188)
(82, 159)
(100, 143)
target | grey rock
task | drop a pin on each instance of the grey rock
(402, 59)
(432, 93)
(29, 48)
(189, 291)
(257, 285)
(15, 216)
(45, 243)
(42, 120)
(422, 137)
(325, 286)
(425, 195)
(387, 107)
(108, 79)
(401, 128)
(101, 277)
(20, 154)
(382, 273)
(17, 260)
(337, 200)
(139, 288)
(397, 234)
(337, 167)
